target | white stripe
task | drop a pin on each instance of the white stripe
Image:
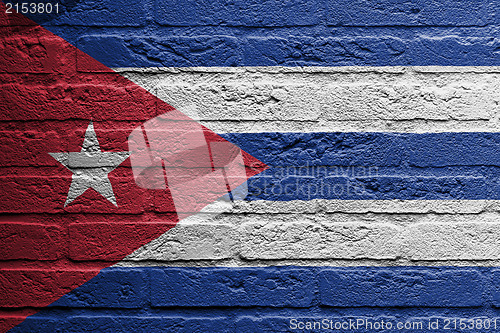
(330, 99)
(331, 233)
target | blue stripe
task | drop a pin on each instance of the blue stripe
(274, 13)
(180, 33)
(360, 166)
(288, 50)
(267, 298)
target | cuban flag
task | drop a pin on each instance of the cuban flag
(228, 166)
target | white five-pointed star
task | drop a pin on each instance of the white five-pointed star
(90, 167)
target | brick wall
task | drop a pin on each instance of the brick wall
(421, 241)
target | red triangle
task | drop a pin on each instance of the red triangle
(50, 91)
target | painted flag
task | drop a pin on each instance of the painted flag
(94, 167)
(379, 126)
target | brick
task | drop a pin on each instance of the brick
(450, 149)
(320, 95)
(40, 324)
(38, 288)
(252, 13)
(26, 147)
(105, 13)
(362, 207)
(309, 51)
(191, 242)
(293, 154)
(383, 187)
(36, 54)
(407, 102)
(130, 199)
(245, 101)
(426, 188)
(274, 287)
(415, 125)
(308, 240)
(176, 51)
(112, 288)
(404, 207)
(371, 51)
(495, 282)
(417, 13)
(68, 136)
(147, 324)
(265, 324)
(121, 324)
(31, 194)
(23, 148)
(111, 241)
(13, 19)
(434, 240)
(162, 201)
(274, 207)
(99, 101)
(31, 241)
(401, 287)
(454, 51)
(496, 11)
